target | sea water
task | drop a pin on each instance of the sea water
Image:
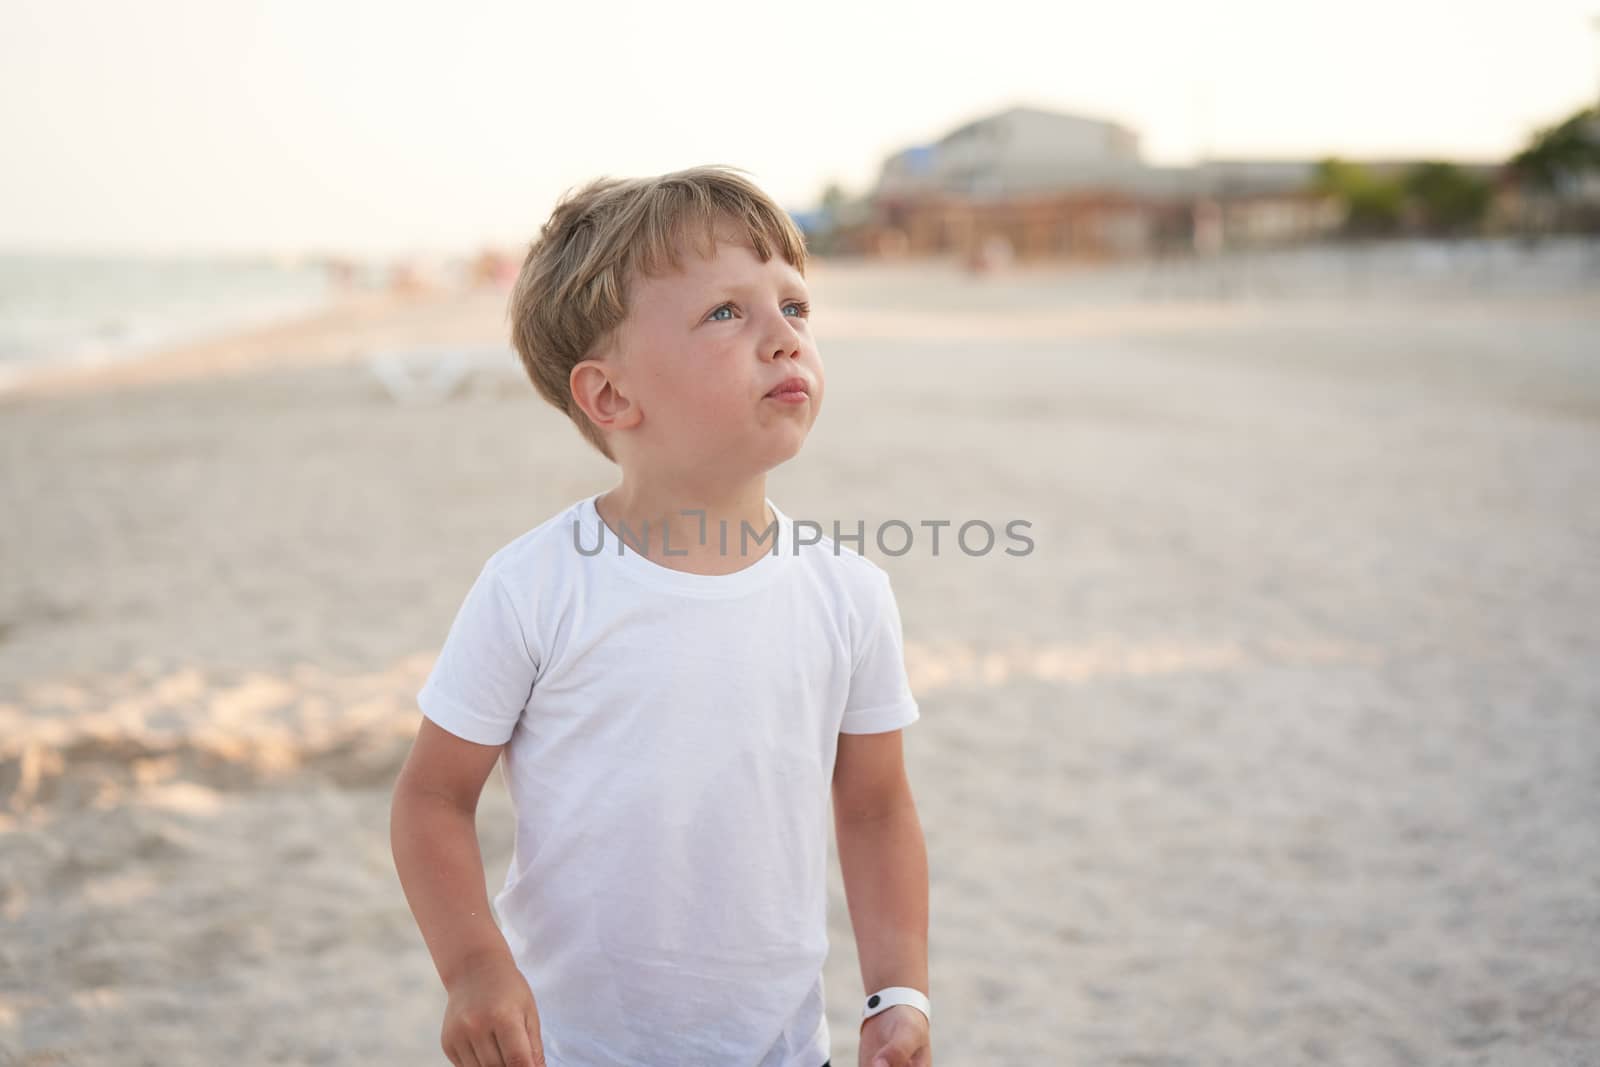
(84, 309)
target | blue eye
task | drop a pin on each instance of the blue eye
(802, 309)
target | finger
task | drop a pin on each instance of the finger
(484, 1047)
(515, 1048)
(894, 1054)
(464, 1056)
(910, 1047)
(535, 1039)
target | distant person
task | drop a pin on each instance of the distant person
(671, 709)
(1207, 230)
(990, 255)
(406, 279)
(491, 269)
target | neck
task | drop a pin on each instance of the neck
(688, 517)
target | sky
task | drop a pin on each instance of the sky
(377, 128)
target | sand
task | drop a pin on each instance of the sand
(1281, 746)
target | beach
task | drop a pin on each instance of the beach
(1280, 745)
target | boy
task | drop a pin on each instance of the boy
(673, 677)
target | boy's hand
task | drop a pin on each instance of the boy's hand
(897, 1037)
(490, 1019)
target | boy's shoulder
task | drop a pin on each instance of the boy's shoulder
(535, 548)
(861, 576)
(836, 548)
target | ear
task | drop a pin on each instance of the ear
(597, 389)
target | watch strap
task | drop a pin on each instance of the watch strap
(886, 998)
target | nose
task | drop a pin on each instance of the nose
(784, 339)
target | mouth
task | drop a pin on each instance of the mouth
(791, 389)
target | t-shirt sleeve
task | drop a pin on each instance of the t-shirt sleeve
(880, 692)
(486, 669)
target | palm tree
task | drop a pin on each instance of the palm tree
(1558, 155)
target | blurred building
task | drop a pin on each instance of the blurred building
(1051, 184)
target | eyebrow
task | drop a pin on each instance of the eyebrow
(736, 287)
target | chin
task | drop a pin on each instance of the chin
(783, 452)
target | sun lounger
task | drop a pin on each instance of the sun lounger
(435, 373)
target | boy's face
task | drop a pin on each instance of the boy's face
(700, 352)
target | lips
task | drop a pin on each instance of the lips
(791, 385)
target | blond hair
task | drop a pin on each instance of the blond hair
(572, 290)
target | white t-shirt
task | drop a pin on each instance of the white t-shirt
(671, 750)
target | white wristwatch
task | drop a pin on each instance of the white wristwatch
(884, 999)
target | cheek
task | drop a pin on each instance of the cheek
(679, 387)
(700, 406)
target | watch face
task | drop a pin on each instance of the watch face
(872, 1001)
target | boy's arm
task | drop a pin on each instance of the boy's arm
(883, 860)
(433, 834)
